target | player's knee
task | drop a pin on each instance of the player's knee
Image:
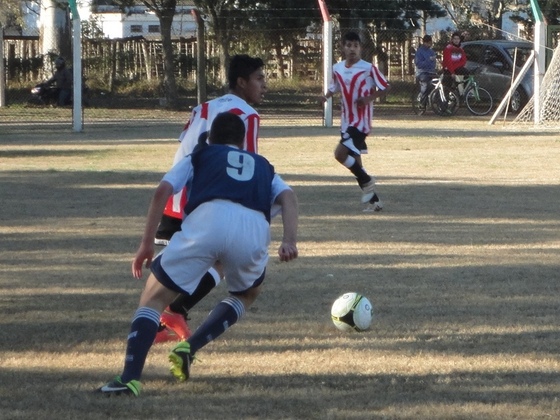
(218, 271)
(155, 295)
(340, 154)
(249, 296)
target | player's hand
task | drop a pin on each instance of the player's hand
(145, 253)
(287, 251)
(362, 102)
(323, 99)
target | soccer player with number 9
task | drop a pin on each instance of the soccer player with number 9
(247, 85)
(231, 192)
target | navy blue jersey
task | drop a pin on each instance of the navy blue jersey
(229, 173)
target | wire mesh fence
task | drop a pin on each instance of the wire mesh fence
(126, 73)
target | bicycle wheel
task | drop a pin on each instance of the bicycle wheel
(478, 100)
(444, 103)
(418, 107)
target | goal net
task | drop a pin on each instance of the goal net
(549, 99)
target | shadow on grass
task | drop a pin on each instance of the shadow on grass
(463, 394)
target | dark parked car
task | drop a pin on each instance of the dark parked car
(492, 62)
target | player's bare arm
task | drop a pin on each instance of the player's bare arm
(288, 248)
(326, 96)
(145, 251)
(365, 100)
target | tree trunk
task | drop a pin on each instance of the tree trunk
(224, 60)
(496, 15)
(220, 34)
(55, 33)
(169, 82)
(279, 59)
(113, 61)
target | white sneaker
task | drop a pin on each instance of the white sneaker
(375, 204)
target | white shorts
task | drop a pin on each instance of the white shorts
(218, 230)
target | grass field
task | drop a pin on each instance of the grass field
(462, 267)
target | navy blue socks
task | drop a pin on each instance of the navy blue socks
(223, 316)
(142, 334)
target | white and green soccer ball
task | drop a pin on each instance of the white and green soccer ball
(352, 312)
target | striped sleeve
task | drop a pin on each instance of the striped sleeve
(252, 124)
(379, 79)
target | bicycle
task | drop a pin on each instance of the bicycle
(420, 100)
(447, 100)
(440, 98)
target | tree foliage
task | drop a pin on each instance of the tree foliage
(481, 19)
(278, 26)
(10, 13)
(550, 10)
(220, 17)
(390, 14)
(373, 17)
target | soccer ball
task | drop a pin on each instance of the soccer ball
(352, 312)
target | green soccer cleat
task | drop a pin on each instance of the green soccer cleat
(181, 359)
(118, 387)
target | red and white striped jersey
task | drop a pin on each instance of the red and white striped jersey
(355, 82)
(203, 115)
(199, 125)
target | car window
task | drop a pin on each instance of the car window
(492, 56)
(474, 53)
(522, 55)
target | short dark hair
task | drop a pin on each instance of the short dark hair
(427, 38)
(242, 65)
(456, 33)
(351, 36)
(227, 128)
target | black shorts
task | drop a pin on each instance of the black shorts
(354, 140)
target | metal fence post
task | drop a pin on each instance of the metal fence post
(327, 62)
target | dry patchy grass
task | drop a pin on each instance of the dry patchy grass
(462, 268)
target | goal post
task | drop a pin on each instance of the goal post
(327, 61)
(539, 39)
(547, 105)
(538, 60)
(519, 77)
(77, 110)
(543, 109)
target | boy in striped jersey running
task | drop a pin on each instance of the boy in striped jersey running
(359, 83)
